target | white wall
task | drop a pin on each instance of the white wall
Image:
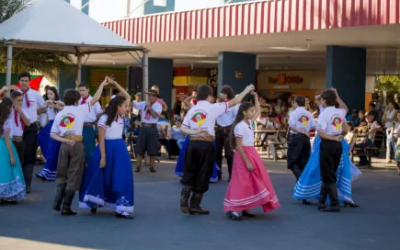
(76, 3)
(182, 5)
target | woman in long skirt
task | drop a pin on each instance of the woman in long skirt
(12, 184)
(108, 178)
(179, 163)
(309, 185)
(48, 146)
(250, 185)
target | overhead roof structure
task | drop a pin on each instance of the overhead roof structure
(55, 25)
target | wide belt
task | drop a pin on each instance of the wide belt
(17, 138)
(88, 124)
(73, 137)
(149, 125)
(208, 138)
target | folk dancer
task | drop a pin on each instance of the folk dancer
(67, 129)
(199, 124)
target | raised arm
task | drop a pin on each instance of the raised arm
(256, 106)
(238, 99)
(97, 95)
(121, 89)
(186, 102)
(342, 105)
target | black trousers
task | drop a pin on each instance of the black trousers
(30, 146)
(329, 160)
(198, 165)
(299, 151)
(222, 135)
(147, 141)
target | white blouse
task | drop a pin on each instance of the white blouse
(246, 132)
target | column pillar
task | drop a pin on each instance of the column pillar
(161, 73)
(237, 70)
(346, 71)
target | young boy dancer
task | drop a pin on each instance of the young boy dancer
(33, 105)
(67, 129)
(199, 124)
(223, 131)
(301, 122)
(330, 130)
(89, 140)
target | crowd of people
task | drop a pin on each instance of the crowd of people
(86, 148)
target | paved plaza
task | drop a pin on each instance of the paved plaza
(159, 224)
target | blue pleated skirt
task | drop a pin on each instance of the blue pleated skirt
(89, 141)
(12, 183)
(53, 147)
(44, 139)
(181, 159)
(309, 184)
(112, 186)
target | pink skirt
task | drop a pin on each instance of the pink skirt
(250, 189)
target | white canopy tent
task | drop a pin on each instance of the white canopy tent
(56, 26)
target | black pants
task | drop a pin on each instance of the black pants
(147, 141)
(30, 146)
(198, 165)
(222, 141)
(329, 160)
(299, 151)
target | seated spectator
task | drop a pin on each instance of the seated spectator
(353, 117)
(177, 134)
(350, 137)
(361, 118)
(163, 125)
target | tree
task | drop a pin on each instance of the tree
(30, 60)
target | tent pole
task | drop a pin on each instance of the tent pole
(9, 64)
(145, 67)
(79, 70)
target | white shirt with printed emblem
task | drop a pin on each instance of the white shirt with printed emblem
(35, 102)
(95, 110)
(331, 120)
(18, 129)
(302, 119)
(70, 120)
(114, 131)
(146, 115)
(246, 132)
(228, 118)
(203, 116)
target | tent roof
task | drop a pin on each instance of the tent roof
(55, 25)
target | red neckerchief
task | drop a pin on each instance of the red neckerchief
(25, 93)
(16, 119)
(194, 101)
(84, 99)
(148, 114)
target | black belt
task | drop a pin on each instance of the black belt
(149, 125)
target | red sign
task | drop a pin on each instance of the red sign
(283, 79)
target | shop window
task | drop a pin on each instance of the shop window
(160, 3)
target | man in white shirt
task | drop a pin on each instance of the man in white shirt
(301, 122)
(33, 105)
(89, 134)
(148, 136)
(199, 124)
(223, 132)
(330, 130)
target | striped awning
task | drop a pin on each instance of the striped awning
(260, 17)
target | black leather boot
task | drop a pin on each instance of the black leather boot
(185, 195)
(333, 196)
(322, 196)
(59, 197)
(68, 197)
(195, 205)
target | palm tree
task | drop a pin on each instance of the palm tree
(29, 60)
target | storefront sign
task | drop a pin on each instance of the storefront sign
(283, 79)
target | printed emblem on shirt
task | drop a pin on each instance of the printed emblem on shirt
(337, 122)
(199, 118)
(304, 120)
(67, 121)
